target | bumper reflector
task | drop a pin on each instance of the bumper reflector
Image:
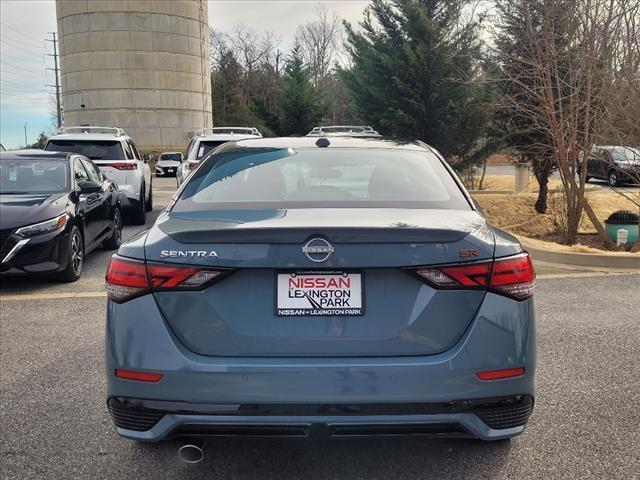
(500, 374)
(138, 376)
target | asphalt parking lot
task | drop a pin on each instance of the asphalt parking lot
(54, 421)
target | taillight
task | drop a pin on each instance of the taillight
(127, 279)
(122, 165)
(512, 276)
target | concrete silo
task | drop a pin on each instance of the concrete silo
(141, 65)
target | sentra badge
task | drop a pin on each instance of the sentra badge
(188, 254)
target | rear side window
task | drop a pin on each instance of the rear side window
(127, 150)
(322, 177)
(92, 171)
(94, 149)
(79, 172)
(134, 149)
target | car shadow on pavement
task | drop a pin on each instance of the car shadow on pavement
(363, 458)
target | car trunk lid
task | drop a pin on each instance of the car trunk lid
(374, 252)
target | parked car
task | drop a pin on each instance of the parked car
(168, 163)
(55, 208)
(345, 282)
(344, 131)
(615, 164)
(207, 140)
(117, 156)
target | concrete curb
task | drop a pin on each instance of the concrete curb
(624, 261)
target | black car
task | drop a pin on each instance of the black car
(55, 207)
(615, 164)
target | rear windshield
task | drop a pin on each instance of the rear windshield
(321, 177)
(94, 149)
(174, 157)
(207, 146)
(28, 176)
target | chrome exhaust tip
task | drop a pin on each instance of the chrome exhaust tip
(192, 451)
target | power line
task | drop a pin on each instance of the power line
(5, 64)
(21, 59)
(31, 52)
(11, 83)
(19, 32)
(19, 41)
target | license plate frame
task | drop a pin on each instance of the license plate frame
(326, 311)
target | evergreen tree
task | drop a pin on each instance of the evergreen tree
(40, 143)
(526, 137)
(299, 107)
(413, 71)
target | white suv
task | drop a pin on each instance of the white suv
(117, 156)
(209, 139)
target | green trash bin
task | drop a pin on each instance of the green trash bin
(622, 219)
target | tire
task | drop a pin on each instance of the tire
(114, 241)
(149, 203)
(613, 179)
(75, 259)
(139, 213)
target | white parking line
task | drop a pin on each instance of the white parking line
(51, 296)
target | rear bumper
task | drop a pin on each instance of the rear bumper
(501, 336)
(490, 419)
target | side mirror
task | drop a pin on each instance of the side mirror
(89, 186)
(147, 157)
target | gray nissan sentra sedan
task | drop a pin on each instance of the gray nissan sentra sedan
(331, 286)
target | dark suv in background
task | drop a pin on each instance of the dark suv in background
(615, 164)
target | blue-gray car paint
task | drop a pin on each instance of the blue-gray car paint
(435, 363)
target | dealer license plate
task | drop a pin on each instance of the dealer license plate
(319, 293)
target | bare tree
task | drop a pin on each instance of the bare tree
(320, 41)
(568, 70)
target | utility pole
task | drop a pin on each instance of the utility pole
(56, 71)
(25, 134)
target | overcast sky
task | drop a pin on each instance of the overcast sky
(25, 24)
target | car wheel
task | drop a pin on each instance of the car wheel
(149, 203)
(115, 239)
(140, 209)
(613, 179)
(75, 259)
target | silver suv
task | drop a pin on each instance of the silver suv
(207, 140)
(117, 157)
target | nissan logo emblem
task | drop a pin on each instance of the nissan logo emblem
(318, 250)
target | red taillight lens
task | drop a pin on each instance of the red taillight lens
(500, 374)
(127, 279)
(169, 276)
(514, 276)
(122, 165)
(511, 276)
(138, 376)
